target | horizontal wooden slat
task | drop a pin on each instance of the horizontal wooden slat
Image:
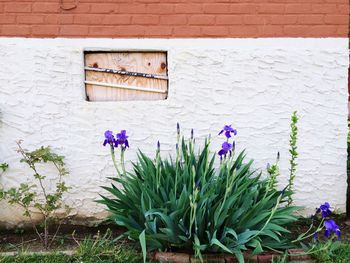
(127, 73)
(119, 86)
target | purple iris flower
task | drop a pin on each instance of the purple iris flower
(109, 138)
(225, 149)
(122, 139)
(324, 210)
(331, 227)
(228, 130)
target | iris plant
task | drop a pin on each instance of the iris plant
(114, 141)
(324, 210)
(226, 147)
(122, 139)
(329, 224)
(109, 138)
(228, 130)
(331, 228)
(326, 223)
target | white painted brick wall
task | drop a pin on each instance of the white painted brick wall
(255, 84)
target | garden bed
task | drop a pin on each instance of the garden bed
(188, 208)
(22, 245)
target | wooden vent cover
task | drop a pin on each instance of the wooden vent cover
(118, 76)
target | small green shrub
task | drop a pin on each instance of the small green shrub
(28, 195)
(187, 203)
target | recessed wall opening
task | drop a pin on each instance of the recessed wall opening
(126, 75)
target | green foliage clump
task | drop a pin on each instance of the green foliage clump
(188, 204)
(27, 195)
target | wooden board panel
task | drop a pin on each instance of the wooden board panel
(143, 62)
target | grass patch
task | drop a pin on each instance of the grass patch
(90, 250)
(116, 255)
(332, 252)
(120, 256)
(51, 258)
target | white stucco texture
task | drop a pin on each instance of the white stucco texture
(253, 84)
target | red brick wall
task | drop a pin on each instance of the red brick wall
(174, 18)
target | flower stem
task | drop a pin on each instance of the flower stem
(319, 228)
(293, 154)
(177, 162)
(122, 162)
(114, 161)
(158, 168)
